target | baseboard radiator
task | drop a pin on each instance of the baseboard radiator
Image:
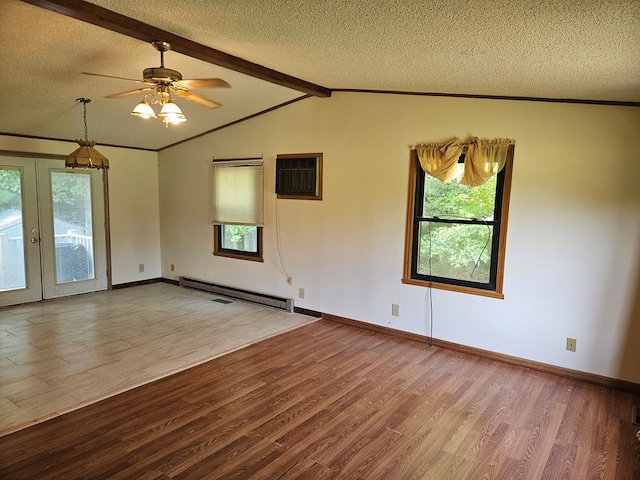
(255, 297)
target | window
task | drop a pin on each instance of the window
(455, 238)
(237, 189)
(238, 241)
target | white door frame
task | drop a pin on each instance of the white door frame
(50, 286)
(30, 233)
(40, 252)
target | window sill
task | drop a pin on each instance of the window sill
(454, 288)
(238, 256)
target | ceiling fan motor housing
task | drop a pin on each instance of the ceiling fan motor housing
(161, 75)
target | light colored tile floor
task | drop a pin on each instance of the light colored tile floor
(58, 355)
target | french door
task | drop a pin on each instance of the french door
(52, 235)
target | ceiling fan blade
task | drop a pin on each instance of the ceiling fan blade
(199, 99)
(111, 76)
(202, 83)
(130, 92)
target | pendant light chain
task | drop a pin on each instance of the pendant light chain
(86, 135)
(84, 102)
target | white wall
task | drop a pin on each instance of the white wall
(573, 240)
(133, 204)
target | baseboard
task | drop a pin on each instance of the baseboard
(306, 311)
(376, 328)
(170, 281)
(600, 380)
(137, 283)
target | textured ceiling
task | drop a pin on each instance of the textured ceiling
(44, 52)
(572, 49)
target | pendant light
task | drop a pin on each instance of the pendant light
(86, 156)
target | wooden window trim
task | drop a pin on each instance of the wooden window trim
(319, 170)
(237, 254)
(408, 243)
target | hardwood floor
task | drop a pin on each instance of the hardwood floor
(61, 354)
(328, 401)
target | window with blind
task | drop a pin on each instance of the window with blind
(237, 208)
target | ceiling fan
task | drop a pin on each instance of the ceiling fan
(160, 83)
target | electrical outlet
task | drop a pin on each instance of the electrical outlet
(141, 267)
(301, 293)
(173, 267)
(571, 344)
(395, 309)
(290, 280)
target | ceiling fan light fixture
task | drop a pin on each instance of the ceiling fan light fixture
(171, 113)
(143, 110)
(174, 119)
(170, 109)
(160, 82)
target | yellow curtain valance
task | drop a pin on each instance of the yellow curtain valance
(440, 159)
(484, 158)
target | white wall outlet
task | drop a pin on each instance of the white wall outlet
(173, 267)
(395, 309)
(290, 280)
(571, 344)
(301, 293)
(141, 267)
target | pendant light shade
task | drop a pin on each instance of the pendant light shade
(86, 156)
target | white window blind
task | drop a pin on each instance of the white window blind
(237, 191)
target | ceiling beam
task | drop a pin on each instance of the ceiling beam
(96, 15)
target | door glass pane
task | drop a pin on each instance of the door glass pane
(72, 225)
(12, 260)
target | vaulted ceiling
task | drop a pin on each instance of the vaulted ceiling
(561, 49)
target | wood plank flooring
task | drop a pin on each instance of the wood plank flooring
(329, 401)
(61, 354)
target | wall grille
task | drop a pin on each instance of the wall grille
(299, 176)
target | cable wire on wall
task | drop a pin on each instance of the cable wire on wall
(477, 262)
(278, 241)
(483, 248)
